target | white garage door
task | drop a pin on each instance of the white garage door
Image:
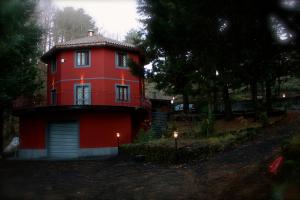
(63, 140)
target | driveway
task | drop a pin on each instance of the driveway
(235, 174)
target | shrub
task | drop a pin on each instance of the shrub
(263, 119)
(145, 136)
(207, 125)
(292, 149)
(163, 150)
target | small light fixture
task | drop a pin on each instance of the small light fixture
(217, 73)
(172, 101)
(62, 60)
(81, 79)
(283, 95)
(175, 134)
(118, 141)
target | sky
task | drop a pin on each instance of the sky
(113, 17)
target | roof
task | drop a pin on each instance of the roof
(89, 41)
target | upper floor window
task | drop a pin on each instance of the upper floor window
(53, 66)
(82, 58)
(82, 94)
(121, 59)
(122, 93)
(53, 97)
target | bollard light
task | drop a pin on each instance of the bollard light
(118, 141)
(175, 134)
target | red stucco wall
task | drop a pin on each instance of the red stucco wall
(102, 75)
(96, 129)
(32, 132)
(99, 130)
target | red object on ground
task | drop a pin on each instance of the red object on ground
(275, 166)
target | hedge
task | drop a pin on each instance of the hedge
(163, 150)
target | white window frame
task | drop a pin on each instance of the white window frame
(84, 102)
(117, 64)
(117, 86)
(76, 58)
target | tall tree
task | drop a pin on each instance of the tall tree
(235, 38)
(71, 24)
(46, 11)
(19, 38)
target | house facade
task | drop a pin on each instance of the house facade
(91, 96)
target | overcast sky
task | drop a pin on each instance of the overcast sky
(114, 17)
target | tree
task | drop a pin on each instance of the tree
(19, 39)
(167, 42)
(46, 11)
(236, 38)
(71, 24)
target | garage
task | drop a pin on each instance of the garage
(63, 140)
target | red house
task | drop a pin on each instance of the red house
(91, 96)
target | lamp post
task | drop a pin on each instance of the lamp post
(118, 141)
(175, 135)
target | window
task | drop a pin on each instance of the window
(53, 66)
(122, 93)
(121, 59)
(82, 94)
(53, 97)
(82, 58)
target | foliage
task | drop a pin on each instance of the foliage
(134, 37)
(71, 24)
(207, 125)
(19, 37)
(145, 136)
(46, 11)
(292, 150)
(288, 178)
(19, 52)
(163, 150)
(135, 68)
(263, 119)
(190, 40)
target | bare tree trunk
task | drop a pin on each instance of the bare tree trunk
(227, 103)
(185, 103)
(215, 99)
(268, 97)
(253, 85)
(1, 132)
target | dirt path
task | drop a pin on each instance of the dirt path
(235, 174)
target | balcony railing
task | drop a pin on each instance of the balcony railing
(39, 102)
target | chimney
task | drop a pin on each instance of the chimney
(91, 32)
